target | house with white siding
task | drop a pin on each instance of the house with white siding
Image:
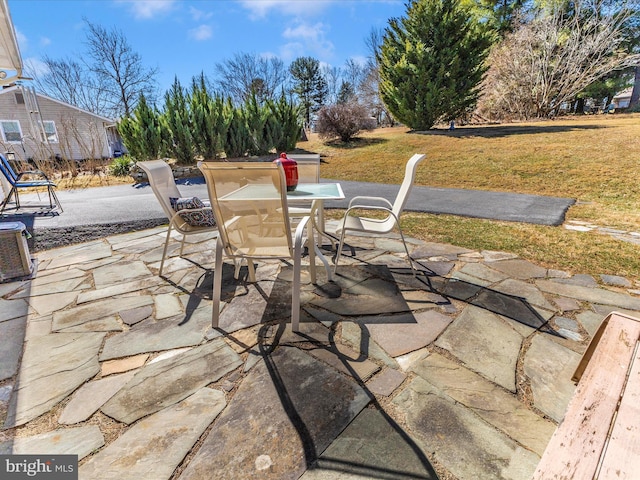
(38, 127)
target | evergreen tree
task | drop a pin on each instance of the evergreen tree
(259, 124)
(177, 120)
(499, 14)
(347, 93)
(309, 85)
(142, 133)
(288, 117)
(207, 120)
(432, 62)
(238, 140)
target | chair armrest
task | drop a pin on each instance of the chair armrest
(299, 233)
(177, 216)
(371, 199)
(32, 172)
(371, 207)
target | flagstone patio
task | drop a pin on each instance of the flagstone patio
(460, 373)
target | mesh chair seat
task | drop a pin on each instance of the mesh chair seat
(250, 205)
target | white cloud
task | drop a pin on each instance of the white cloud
(145, 9)
(291, 51)
(312, 38)
(199, 15)
(200, 33)
(302, 8)
(44, 41)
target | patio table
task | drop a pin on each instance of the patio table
(316, 193)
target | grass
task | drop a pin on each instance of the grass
(593, 159)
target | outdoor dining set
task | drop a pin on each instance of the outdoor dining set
(270, 210)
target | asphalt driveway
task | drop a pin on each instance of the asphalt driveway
(119, 208)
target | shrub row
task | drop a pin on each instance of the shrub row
(196, 124)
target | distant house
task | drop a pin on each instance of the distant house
(35, 126)
(623, 98)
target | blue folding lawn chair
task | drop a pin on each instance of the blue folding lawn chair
(14, 182)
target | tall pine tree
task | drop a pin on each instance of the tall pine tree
(309, 85)
(432, 62)
(142, 133)
(178, 123)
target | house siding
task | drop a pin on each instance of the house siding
(81, 135)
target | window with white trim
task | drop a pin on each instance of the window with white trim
(11, 131)
(50, 131)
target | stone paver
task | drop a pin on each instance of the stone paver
(468, 448)
(155, 336)
(487, 400)
(164, 383)
(119, 289)
(135, 315)
(91, 396)
(486, 344)
(402, 334)
(550, 368)
(589, 294)
(10, 309)
(12, 333)
(386, 382)
(79, 441)
(155, 446)
(277, 421)
(53, 366)
(119, 273)
(520, 269)
(372, 446)
(47, 304)
(109, 367)
(75, 254)
(46, 289)
(464, 370)
(96, 311)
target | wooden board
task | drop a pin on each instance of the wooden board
(576, 447)
(622, 454)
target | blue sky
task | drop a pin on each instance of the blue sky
(184, 38)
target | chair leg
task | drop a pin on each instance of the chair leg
(164, 251)
(14, 191)
(406, 249)
(52, 193)
(311, 242)
(182, 244)
(217, 286)
(252, 270)
(50, 197)
(295, 288)
(339, 252)
(3, 205)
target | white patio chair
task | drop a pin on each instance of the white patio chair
(250, 205)
(353, 223)
(164, 187)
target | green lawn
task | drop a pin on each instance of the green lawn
(593, 159)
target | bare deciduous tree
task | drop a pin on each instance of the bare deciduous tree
(73, 83)
(238, 76)
(370, 84)
(353, 73)
(332, 76)
(113, 59)
(549, 60)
